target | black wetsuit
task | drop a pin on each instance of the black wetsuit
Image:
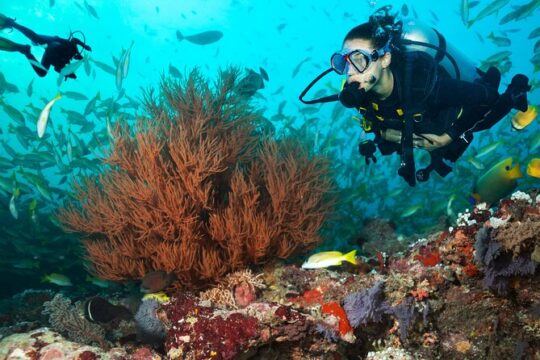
(439, 104)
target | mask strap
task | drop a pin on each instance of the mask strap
(323, 99)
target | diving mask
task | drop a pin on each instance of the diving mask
(358, 58)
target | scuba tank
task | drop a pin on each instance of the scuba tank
(417, 36)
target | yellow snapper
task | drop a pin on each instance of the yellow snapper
(57, 279)
(329, 258)
(522, 119)
(533, 169)
(44, 116)
(499, 181)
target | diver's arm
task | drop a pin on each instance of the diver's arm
(80, 43)
(391, 135)
(423, 141)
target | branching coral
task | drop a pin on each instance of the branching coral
(65, 318)
(197, 190)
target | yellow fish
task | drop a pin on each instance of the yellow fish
(533, 169)
(499, 181)
(329, 258)
(522, 119)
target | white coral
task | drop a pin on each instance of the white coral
(520, 195)
(464, 219)
(482, 206)
(496, 222)
(390, 353)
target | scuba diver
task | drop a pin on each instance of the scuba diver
(58, 52)
(414, 90)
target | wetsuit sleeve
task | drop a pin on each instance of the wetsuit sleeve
(79, 42)
(453, 93)
(450, 92)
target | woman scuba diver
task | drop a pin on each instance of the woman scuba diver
(415, 90)
(58, 52)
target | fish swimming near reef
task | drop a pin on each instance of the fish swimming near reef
(57, 279)
(499, 181)
(203, 38)
(155, 281)
(13, 204)
(44, 116)
(99, 310)
(523, 119)
(533, 169)
(329, 258)
(251, 83)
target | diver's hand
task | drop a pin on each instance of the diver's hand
(431, 142)
(517, 92)
(391, 135)
(367, 150)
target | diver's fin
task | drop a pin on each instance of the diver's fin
(6, 22)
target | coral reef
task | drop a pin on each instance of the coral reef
(431, 302)
(198, 190)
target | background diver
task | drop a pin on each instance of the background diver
(408, 99)
(58, 52)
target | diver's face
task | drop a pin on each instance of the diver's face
(372, 75)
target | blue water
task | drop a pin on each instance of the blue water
(279, 36)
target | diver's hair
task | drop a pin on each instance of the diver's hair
(378, 30)
(365, 31)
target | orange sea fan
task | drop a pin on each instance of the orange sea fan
(197, 190)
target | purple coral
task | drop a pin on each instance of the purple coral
(406, 314)
(327, 332)
(501, 269)
(365, 306)
(150, 329)
(500, 264)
